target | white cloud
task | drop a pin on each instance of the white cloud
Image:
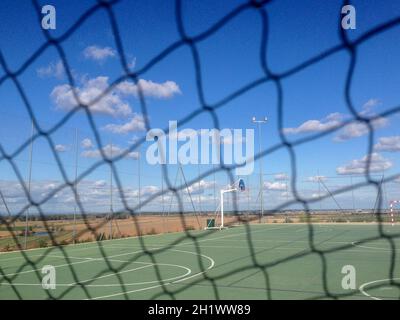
(275, 186)
(147, 191)
(358, 166)
(99, 54)
(149, 88)
(86, 143)
(110, 151)
(358, 129)
(137, 123)
(281, 177)
(329, 122)
(134, 139)
(51, 70)
(317, 178)
(199, 187)
(369, 105)
(111, 104)
(93, 194)
(60, 148)
(132, 63)
(391, 144)
(100, 183)
(352, 130)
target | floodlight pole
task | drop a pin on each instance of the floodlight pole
(29, 184)
(111, 194)
(75, 182)
(259, 123)
(139, 184)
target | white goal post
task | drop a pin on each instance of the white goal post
(237, 186)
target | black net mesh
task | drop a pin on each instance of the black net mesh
(350, 47)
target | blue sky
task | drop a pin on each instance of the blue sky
(313, 99)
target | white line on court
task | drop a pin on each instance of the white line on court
(212, 263)
(72, 263)
(372, 248)
(188, 271)
(362, 287)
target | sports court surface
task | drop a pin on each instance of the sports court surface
(247, 262)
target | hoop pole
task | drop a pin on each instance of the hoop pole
(222, 208)
(222, 204)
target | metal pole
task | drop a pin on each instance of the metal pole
(287, 187)
(199, 184)
(352, 193)
(162, 200)
(139, 182)
(215, 191)
(261, 174)
(248, 197)
(222, 204)
(162, 192)
(29, 185)
(259, 122)
(319, 192)
(75, 182)
(384, 191)
(5, 205)
(111, 193)
(7, 209)
(222, 208)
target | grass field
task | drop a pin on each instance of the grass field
(269, 262)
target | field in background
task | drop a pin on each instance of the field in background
(62, 230)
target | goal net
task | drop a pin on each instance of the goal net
(94, 187)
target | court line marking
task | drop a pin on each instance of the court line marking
(212, 263)
(180, 279)
(362, 287)
(95, 247)
(373, 248)
(94, 244)
(346, 250)
(68, 264)
(188, 272)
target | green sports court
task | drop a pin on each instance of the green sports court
(275, 261)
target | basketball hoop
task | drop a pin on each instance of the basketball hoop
(239, 185)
